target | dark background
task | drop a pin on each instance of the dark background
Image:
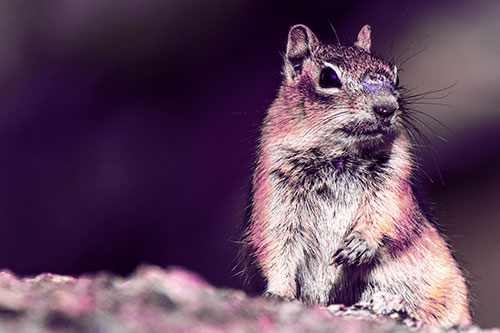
(128, 127)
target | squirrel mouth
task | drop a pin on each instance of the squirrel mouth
(372, 130)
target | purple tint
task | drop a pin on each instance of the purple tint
(376, 86)
(112, 155)
(339, 165)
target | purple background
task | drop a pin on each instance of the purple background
(128, 127)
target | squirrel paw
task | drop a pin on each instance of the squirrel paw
(353, 251)
(385, 303)
(270, 295)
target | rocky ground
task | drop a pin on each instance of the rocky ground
(172, 300)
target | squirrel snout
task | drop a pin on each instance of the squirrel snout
(384, 110)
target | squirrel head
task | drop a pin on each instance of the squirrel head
(335, 93)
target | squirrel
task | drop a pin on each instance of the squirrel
(334, 216)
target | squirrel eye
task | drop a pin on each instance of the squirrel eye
(329, 79)
(397, 81)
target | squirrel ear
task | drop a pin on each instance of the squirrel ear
(364, 41)
(301, 44)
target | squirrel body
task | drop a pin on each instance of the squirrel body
(334, 217)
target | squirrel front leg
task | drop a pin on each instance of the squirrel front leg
(379, 217)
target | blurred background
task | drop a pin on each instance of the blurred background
(128, 127)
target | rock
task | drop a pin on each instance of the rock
(175, 300)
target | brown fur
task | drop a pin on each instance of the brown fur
(334, 218)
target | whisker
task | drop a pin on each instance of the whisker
(429, 92)
(431, 151)
(396, 29)
(414, 55)
(416, 162)
(325, 120)
(334, 31)
(435, 119)
(429, 128)
(422, 136)
(411, 46)
(438, 169)
(426, 98)
(430, 103)
(328, 119)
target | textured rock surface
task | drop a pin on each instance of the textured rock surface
(171, 300)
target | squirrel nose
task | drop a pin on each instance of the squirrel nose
(384, 111)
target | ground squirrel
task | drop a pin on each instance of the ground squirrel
(334, 217)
